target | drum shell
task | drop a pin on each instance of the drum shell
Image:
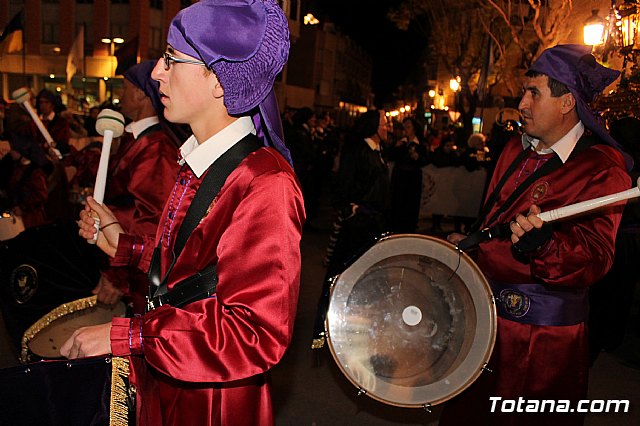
(42, 268)
(88, 391)
(383, 331)
(56, 393)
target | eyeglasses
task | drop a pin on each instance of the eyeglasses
(168, 58)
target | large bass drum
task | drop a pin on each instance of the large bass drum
(412, 322)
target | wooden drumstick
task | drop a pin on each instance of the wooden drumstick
(22, 96)
(109, 124)
(585, 206)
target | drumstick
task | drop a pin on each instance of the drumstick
(110, 124)
(22, 96)
(585, 206)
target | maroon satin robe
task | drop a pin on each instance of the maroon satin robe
(141, 175)
(205, 363)
(545, 362)
(28, 190)
(59, 130)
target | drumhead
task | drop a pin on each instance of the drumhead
(44, 339)
(10, 226)
(412, 322)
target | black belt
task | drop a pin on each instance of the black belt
(192, 289)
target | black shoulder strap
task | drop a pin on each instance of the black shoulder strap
(554, 163)
(491, 200)
(213, 181)
(500, 230)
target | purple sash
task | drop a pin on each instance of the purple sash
(537, 304)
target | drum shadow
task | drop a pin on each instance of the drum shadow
(365, 404)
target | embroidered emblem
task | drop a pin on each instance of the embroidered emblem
(23, 283)
(515, 303)
(539, 191)
(211, 206)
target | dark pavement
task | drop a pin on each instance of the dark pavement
(309, 388)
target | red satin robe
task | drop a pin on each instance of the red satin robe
(59, 130)
(28, 190)
(206, 363)
(141, 175)
(545, 362)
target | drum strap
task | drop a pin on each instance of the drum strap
(502, 230)
(203, 283)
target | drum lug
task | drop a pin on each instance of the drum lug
(361, 392)
(487, 369)
(427, 407)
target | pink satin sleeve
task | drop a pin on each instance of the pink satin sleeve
(246, 327)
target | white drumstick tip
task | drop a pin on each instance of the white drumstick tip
(109, 119)
(21, 95)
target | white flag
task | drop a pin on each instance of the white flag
(76, 55)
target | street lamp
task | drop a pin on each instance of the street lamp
(112, 43)
(629, 23)
(594, 29)
(454, 84)
(309, 19)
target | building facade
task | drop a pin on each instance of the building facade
(52, 26)
(329, 72)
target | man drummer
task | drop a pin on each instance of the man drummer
(541, 274)
(206, 362)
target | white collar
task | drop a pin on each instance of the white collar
(563, 147)
(372, 144)
(137, 127)
(200, 156)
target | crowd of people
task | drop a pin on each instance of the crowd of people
(33, 183)
(409, 145)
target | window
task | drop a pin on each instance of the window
(49, 33)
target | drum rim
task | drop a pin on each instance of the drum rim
(488, 313)
(51, 317)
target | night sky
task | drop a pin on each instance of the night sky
(395, 53)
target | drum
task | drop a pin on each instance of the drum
(42, 268)
(44, 338)
(89, 391)
(412, 322)
(10, 226)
